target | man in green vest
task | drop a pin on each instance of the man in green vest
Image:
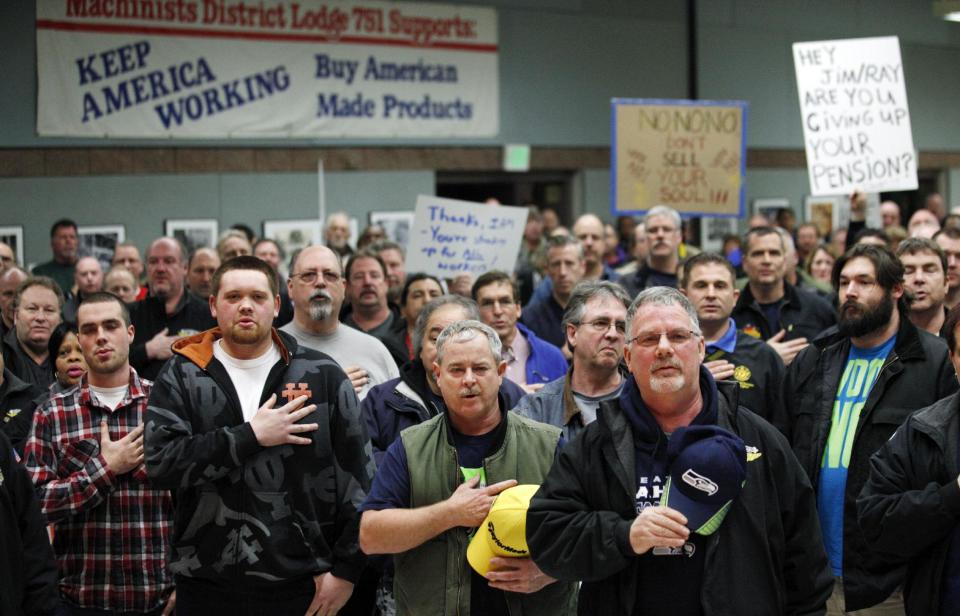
(437, 482)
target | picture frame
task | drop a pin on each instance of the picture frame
(769, 207)
(824, 212)
(293, 235)
(100, 242)
(12, 236)
(194, 233)
(713, 230)
(396, 224)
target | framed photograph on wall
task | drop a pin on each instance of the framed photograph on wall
(292, 235)
(825, 212)
(769, 207)
(713, 230)
(397, 225)
(193, 232)
(12, 236)
(100, 241)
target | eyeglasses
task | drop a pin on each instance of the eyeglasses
(602, 326)
(676, 337)
(311, 277)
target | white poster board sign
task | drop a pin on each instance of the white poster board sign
(453, 237)
(856, 123)
(274, 68)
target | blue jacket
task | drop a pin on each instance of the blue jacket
(406, 401)
(546, 362)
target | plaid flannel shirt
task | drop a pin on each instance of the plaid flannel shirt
(111, 532)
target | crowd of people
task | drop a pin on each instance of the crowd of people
(623, 424)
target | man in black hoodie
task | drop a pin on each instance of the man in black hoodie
(598, 518)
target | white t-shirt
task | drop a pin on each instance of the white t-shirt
(110, 397)
(350, 347)
(249, 376)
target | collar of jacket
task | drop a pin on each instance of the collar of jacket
(500, 432)
(939, 422)
(907, 346)
(135, 390)
(160, 306)
(414, 375)
(12, 383)
(790, 296)
(570, 408)
(630, 425)
(198, 348)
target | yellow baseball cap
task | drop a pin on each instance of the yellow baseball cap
(504, 531)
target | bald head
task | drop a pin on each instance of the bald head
(337, 231)
(203, 263)
(7, 258)
(10, 279)
(589, 230)
(88, 275)
(166, 268)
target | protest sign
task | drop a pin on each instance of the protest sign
(856, 124)
(453, 237)
(272, 68)
(690, 155)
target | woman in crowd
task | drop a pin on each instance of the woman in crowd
(820, 264)
(69, 364)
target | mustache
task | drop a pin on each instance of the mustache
(666, 363)
(321, 293)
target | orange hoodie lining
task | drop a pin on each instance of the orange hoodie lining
(198, 348)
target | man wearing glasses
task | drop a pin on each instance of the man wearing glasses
(531, 362)
(594, 322)
(316, 288)
(598, 515)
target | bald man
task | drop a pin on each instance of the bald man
(10, 279)
(88, 279)
(169, 312)
(7, 258)
(203, 263)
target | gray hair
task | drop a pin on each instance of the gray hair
(420, 327)
(381, 245)
(663, 210)
(562, 241)
(584, 292)
(663, 296)
(463, 331)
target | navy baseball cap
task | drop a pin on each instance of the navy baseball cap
(708, 467)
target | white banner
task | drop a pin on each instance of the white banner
(265, 68)
(452, 237)
(856, 123)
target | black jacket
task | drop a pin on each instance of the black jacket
(248, 514)
(28, 571)
(766, 558)
(18, 401)
(759, 371)
(149, 317)
(910, 505)
(16, 360)
(803, 314)
(916, 374)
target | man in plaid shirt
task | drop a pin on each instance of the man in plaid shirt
(112, 528)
